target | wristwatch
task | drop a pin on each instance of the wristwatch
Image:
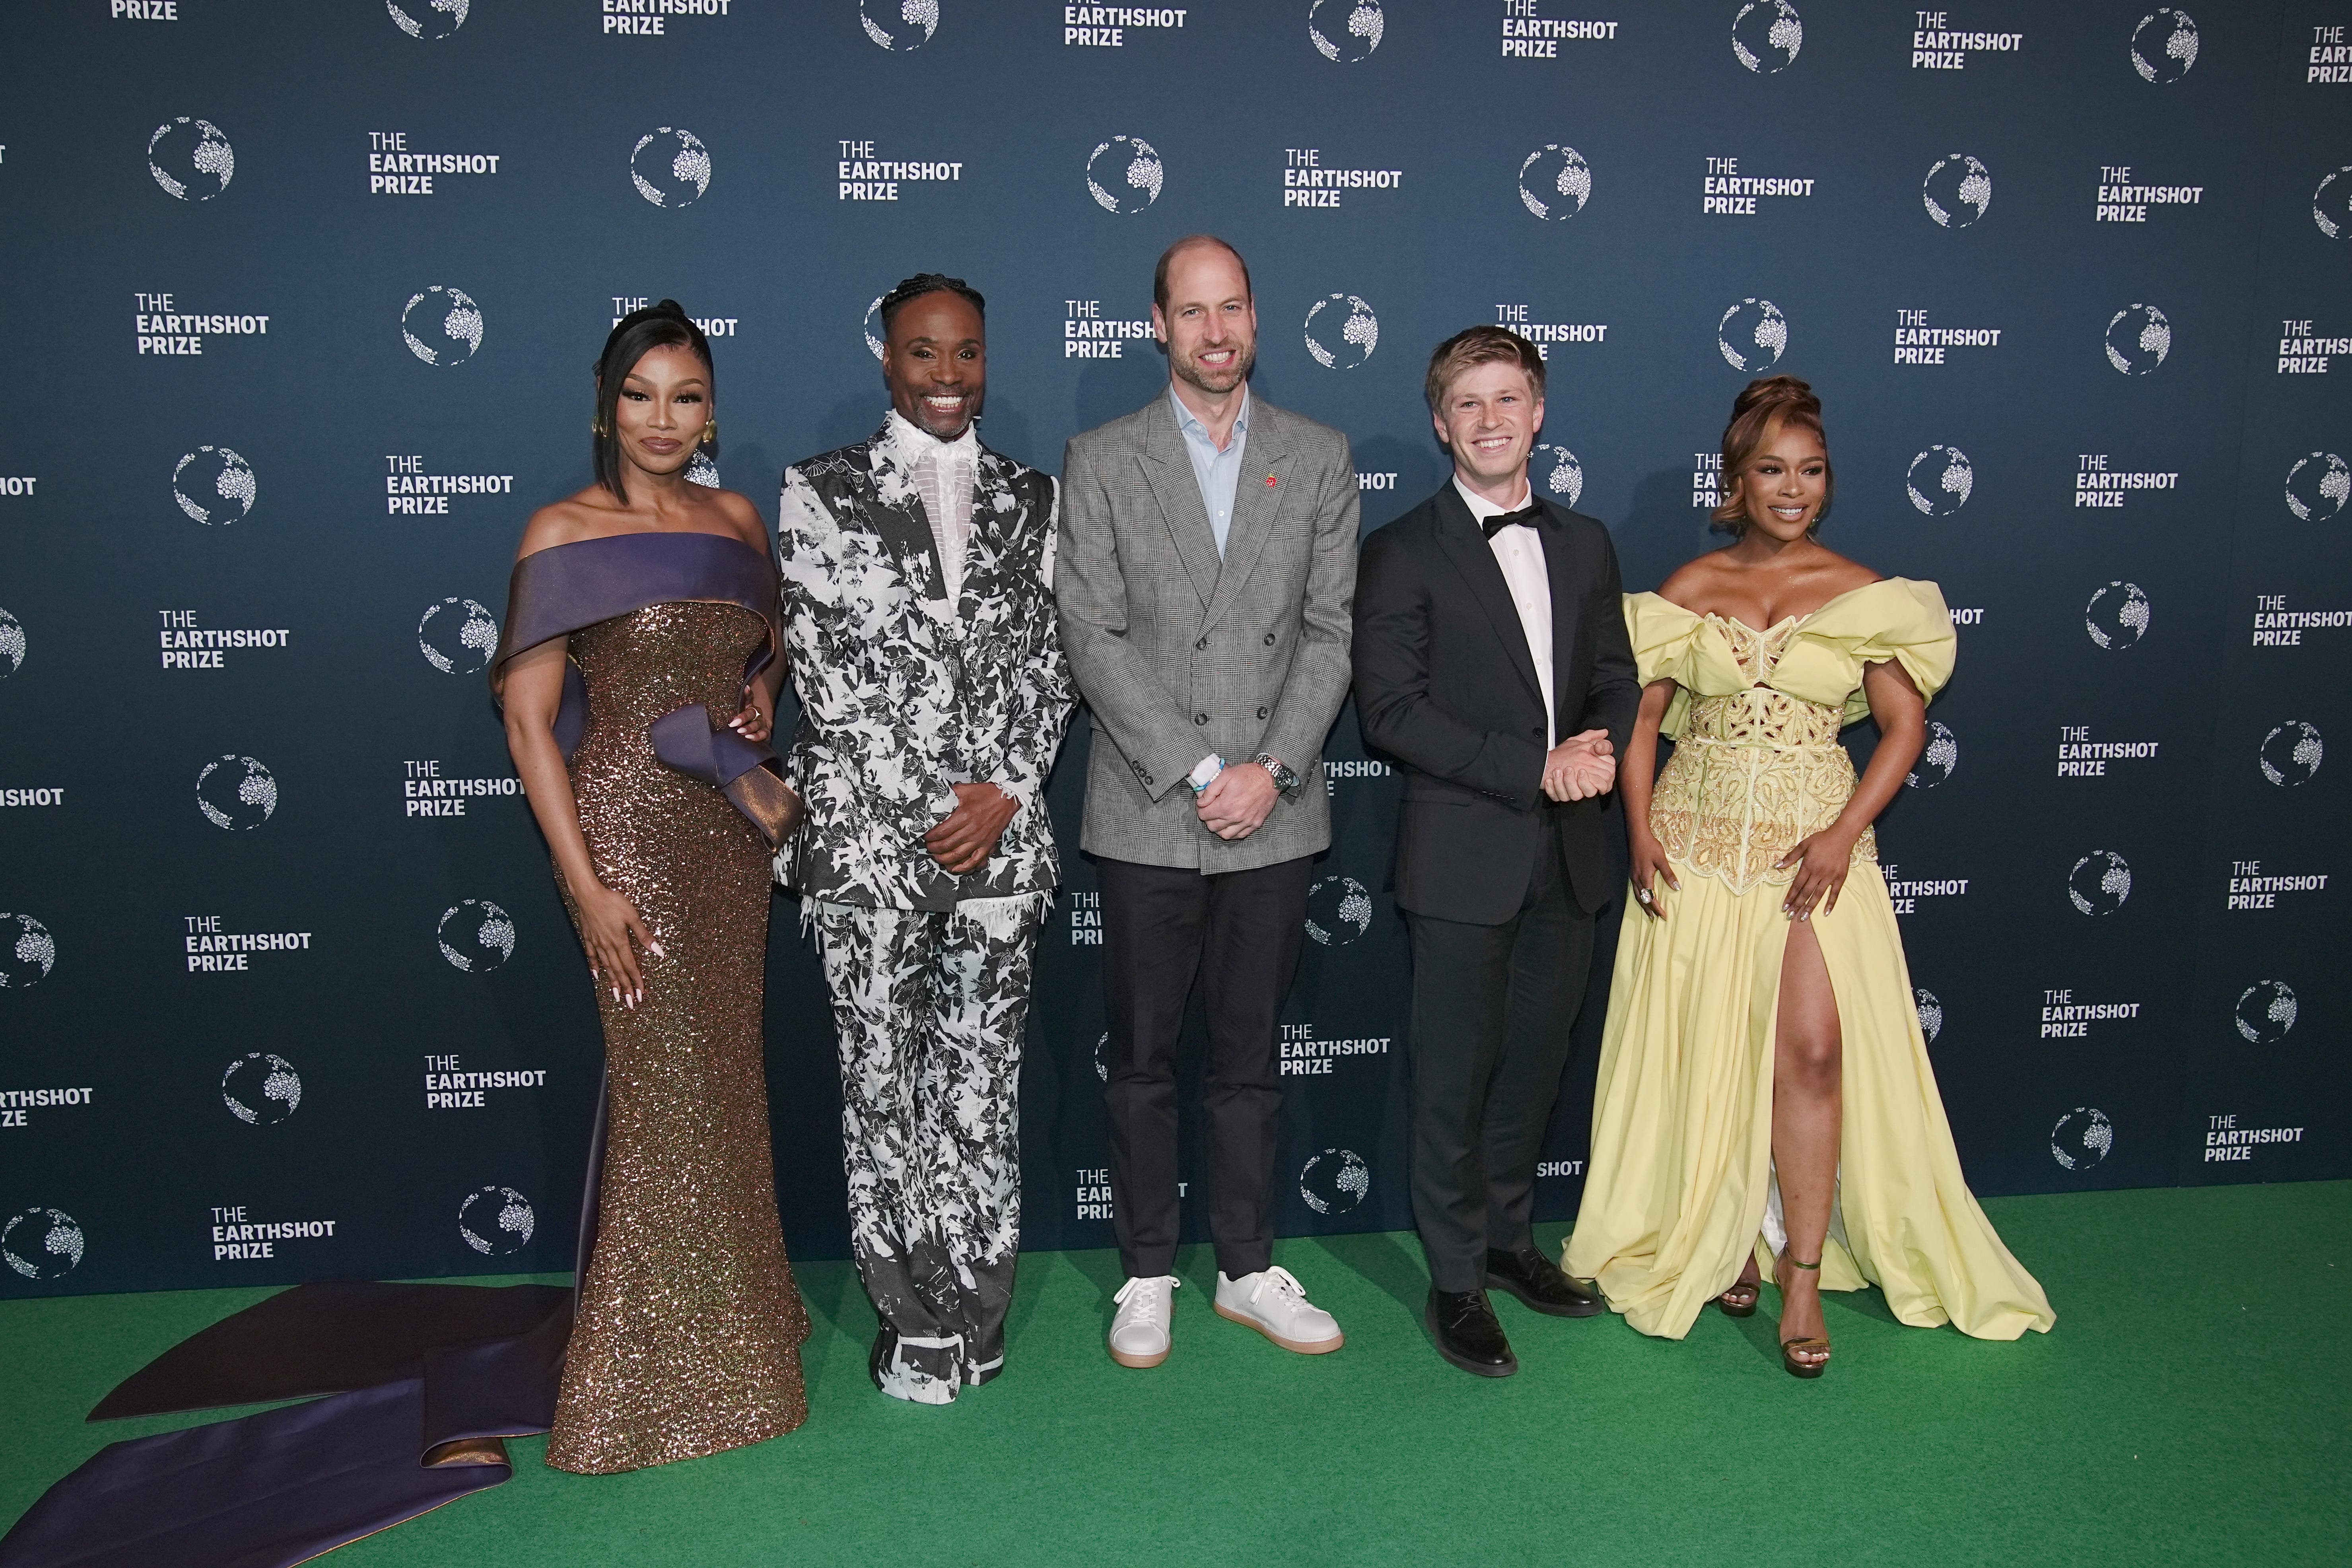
(1286, 778)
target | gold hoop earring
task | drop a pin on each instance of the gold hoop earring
(596, 428)
(710, 432)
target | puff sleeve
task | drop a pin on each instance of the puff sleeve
(1897, 619)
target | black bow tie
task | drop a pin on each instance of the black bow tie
(1524, 517)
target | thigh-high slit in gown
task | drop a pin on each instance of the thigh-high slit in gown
(1680, 1184)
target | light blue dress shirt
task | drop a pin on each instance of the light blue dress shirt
(1217, 473)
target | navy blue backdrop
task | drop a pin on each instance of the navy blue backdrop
(310, 294)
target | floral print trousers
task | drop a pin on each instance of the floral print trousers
(930, 1008)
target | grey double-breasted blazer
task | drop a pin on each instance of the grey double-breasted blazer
(1178, 653)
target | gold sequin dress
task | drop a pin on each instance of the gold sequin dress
(689, 1335)
(1680, 1184)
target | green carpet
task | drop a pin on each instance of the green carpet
(2191, 1404)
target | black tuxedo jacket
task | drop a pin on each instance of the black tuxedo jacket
(1445, 689)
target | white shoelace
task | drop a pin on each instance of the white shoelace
(1283, 1283)
(1152, 1307)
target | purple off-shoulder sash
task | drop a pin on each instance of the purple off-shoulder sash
(562, 590)
(436, 1377)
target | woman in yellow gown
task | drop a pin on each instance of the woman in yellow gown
(1764, 1089)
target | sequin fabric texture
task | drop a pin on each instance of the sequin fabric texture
(1753, 774)
(690, 1329)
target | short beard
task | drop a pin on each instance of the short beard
(922, 421)
(1191, 375)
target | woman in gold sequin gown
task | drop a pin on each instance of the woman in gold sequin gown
(686, 1339)
(1764, 1092)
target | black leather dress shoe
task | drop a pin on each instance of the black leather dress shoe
(1537, 1281)
(1463, 1324)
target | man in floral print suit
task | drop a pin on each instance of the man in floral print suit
(919, 631)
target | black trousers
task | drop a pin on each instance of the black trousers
(1238, 932)
(1492, 1008)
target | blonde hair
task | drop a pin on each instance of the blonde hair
(1480, 345)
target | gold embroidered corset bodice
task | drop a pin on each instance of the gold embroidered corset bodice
(1754, 771)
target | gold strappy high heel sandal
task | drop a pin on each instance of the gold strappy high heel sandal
(1790, 1349)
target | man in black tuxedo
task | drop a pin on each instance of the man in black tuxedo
(1491, 662)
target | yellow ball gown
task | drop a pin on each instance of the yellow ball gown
(1680, 1186)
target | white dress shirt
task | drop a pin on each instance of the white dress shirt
(946, 473)
(1519, 552)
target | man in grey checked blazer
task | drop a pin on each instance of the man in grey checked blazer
(1206, 582)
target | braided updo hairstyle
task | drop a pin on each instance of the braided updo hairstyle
(1771, 400)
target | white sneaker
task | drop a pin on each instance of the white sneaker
(1139, 1333)
(1275, 1305)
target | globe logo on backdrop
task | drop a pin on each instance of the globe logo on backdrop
(2318, 487)
(260, 1088)
(1335, 1181)
(1766, 36)
(2117, 616)
(191, 159)
(1338, 911)
(496, 1220)
(213, 484)
(457, 636)
(1931, 1016)
(428, 18)
(1753, 335)
(2331, 204)
(1555, 182)
(1957, 191)
(235, 794)
(41, 1243)
(899, 25)
(1102, 1067)
(670, 168)
(2291, 754)
(700, 471)
(2266, 1012)
(1557, 472)
(874, 326)
(2099, 883)
(2082, 1139)
(1940, 480)
(443, 325)
(1124, 174)
(2137, 339)
(31, 953)
(2164, 45)
(477, 936)
(12, 643)
(1936, 761)
(1342, 331)
(1345, 30)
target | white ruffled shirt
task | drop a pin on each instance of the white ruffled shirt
(946, 472)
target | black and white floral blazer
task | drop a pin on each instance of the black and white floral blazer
(903, 695)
